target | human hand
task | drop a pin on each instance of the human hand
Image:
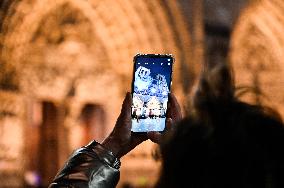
(172, 117)
(121, 140)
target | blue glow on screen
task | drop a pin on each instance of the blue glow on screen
(152, 81)
(161, 66)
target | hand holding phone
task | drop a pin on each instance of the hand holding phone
(121, 140)
(152, 78)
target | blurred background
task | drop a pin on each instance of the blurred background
(65, 66)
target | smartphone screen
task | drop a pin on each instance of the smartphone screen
(150, 88)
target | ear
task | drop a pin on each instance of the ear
(215, 87)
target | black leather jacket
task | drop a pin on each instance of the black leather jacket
(90, 166)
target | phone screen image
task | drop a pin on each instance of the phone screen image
(150, 89)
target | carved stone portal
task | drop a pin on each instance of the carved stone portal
(70, 53)
(257, 53)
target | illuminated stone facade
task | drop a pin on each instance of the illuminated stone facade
(58, 56)
(66, 61)
(257, 53)
(11, 139)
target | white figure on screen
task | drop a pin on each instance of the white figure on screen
(142, 79)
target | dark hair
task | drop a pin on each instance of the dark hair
(224, 142)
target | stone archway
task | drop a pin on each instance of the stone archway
(120, 29)
(257, 56)
(73, 52)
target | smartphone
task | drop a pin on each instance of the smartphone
(151, 85)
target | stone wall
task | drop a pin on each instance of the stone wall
(12, 161)
(75, 52)
(257, 53)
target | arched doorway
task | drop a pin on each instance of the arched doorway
(91, 126)
(54, 46)
(257, 47)
(42, 143)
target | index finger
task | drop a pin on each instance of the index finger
(126, 107)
